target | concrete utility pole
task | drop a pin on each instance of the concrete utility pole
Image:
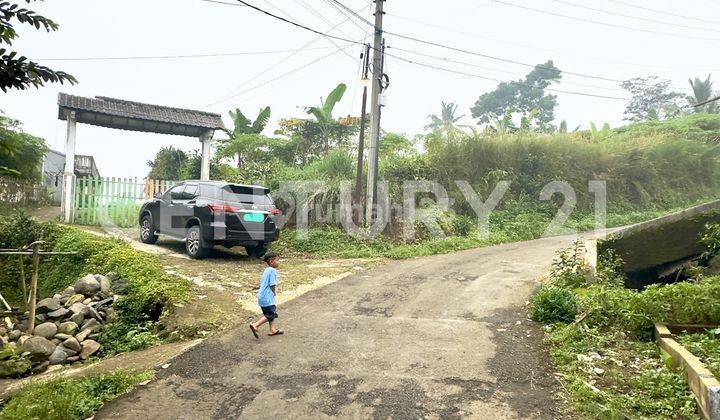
(377, 80)
(357, 197)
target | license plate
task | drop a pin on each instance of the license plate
(253, 217)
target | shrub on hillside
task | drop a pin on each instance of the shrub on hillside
(150, 287)
(553, 304)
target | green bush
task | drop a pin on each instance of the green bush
(569, 269)
(552, 304)
(696, 302)
(711, 240)
(69, 399)
(464, 225)
(120, 337)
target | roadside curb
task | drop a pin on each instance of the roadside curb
(703, 384)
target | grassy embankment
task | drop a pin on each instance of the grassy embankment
(650, 169)
(69, 399)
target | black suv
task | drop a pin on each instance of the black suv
(207, 213)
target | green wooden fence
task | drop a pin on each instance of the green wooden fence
(110, 201)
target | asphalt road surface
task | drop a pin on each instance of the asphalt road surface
(435, 337)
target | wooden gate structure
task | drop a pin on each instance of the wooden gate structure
(134, 116)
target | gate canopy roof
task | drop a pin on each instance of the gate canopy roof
(135, 116)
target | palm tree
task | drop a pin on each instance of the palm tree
(323, 113)
(445, 124)
(244, 135)
(702, 91)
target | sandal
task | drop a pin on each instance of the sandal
(254, 331)
(277, 332)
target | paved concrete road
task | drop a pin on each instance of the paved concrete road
(434, 337)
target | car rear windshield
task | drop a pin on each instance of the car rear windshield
(237, 194)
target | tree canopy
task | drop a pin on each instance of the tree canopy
(168, 164)
(21, 154)
(524, 98)
(651, 99)
(17, 71)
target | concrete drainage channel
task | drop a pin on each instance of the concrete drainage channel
(658, 251)
(703, 384)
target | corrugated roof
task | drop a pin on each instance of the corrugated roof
(137, 116)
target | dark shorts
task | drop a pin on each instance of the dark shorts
(269, 312)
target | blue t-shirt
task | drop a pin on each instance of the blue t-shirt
(265, 296)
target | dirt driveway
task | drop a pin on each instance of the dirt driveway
(225, 283)
(433, 337)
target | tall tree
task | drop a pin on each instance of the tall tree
(445, 124)
(651, 99)
(21, 154)
(521, 98)
(245, 137)
(167, 164)
(702, 91)
(17, 71)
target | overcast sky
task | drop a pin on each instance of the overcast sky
(92, 28)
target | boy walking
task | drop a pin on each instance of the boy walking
(266, 295)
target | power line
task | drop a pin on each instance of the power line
(499, 70)
(168, 57)
(330, 23)
(707, 102)
(449, 47)
(348, 17)
(678, 25)
(264, 71)
(535, 48)
(294, 70)
(634, 6)
(224, 2)
(613, 25)
(502, 81)
(294, 80)
(298, 24)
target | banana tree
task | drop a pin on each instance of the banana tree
(323, 114)
(245, 135)
(602, 134)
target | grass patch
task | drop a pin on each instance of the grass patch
(69, 399)
(605, 374)
(706, 346)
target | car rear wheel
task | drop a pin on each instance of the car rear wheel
(147, 230)
(257, 251)
(194, 244)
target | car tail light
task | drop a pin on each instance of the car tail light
(275, 211)
(222, 208)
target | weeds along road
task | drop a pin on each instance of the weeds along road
(437, 337)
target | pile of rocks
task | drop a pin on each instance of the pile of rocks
(67, 327)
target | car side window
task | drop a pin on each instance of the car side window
(208, 191)
(191, 192)
(176, 193)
